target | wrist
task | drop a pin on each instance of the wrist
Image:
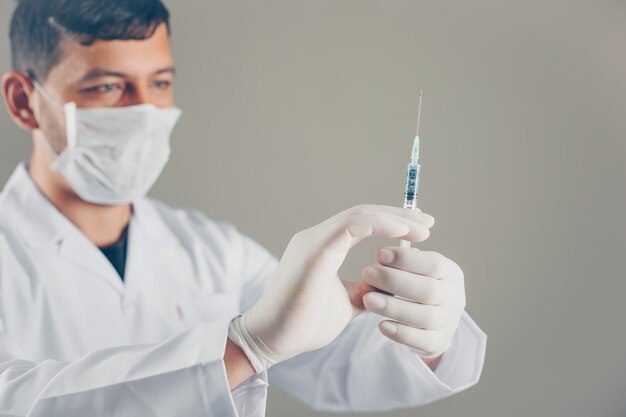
(431, 361)
(250, 345)
(237, 364)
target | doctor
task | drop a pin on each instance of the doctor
(113, 304)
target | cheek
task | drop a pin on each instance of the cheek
(52, 125)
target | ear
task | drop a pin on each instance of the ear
(17, 90)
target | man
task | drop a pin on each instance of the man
(115, 304)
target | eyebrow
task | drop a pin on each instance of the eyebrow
(97, 73)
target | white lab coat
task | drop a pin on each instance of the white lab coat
(77, 341)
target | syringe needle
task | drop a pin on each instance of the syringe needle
(419, 115)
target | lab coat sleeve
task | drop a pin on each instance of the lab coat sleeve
(362, 370)
(184, 375)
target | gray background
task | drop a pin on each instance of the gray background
(296, 110)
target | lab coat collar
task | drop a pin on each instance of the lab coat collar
(39, 222)
(42, 227)
(33, 216)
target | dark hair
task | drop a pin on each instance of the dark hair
(38, 26)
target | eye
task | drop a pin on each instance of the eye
(162, 84)
(105, 88)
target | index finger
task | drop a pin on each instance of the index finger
(428, 263)
(416, 215)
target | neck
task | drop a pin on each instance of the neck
(102, 225)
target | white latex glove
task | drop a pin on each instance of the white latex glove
(429, 298)
(306, 305)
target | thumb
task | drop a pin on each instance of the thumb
(356, 290)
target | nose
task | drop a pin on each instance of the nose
(136, 95)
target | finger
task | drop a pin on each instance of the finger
(418, 288)
(421, 316)
(415, 215)
(329, 242)
(426, 342)
(385, 225)
(431, 264)
(345, 233)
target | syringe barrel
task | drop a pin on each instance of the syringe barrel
(412, 185)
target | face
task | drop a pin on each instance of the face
(114, 73)
(104, 74)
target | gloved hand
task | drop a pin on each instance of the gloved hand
(306, 305)
(429, 298)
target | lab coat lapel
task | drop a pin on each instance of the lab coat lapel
(80, 251)
(149, 241)
(41, 225)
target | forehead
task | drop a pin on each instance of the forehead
(136, 58)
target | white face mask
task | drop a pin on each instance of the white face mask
(113, 155)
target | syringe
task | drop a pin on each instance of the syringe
(413, 172)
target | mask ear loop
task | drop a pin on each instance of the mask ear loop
(69, 110)
(46, 95)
